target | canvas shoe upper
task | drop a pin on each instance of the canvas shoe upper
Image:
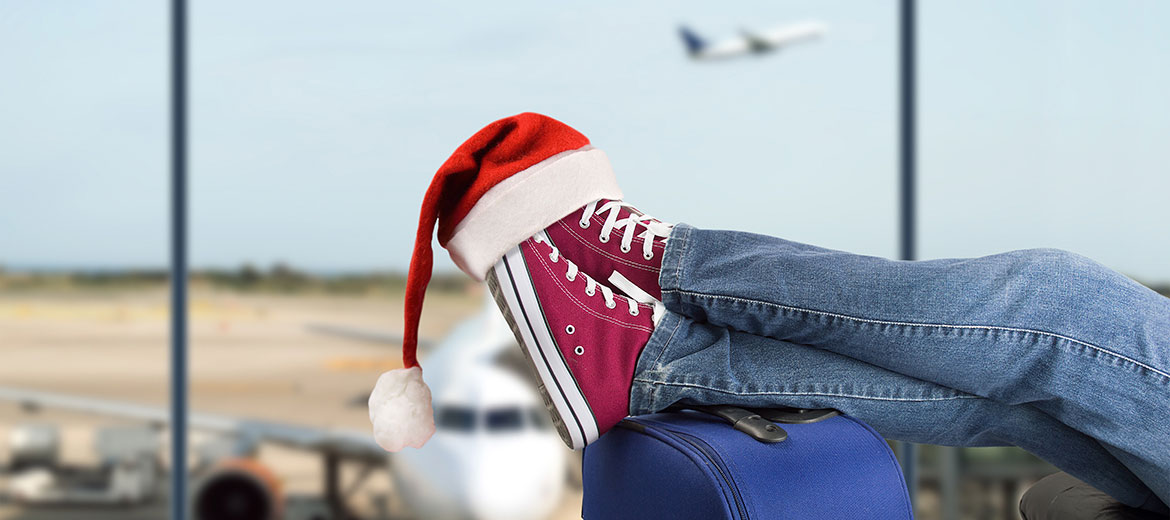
(582, 339)
(608, 236)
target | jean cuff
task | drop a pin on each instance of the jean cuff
(649, 364)
(670, 278)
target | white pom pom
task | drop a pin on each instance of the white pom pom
(400, 408)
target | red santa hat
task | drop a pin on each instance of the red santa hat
(511, 179)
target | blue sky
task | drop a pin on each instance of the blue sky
(315, 131)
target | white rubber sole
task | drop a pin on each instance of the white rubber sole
(512, 288)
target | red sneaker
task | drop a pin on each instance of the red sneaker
(583, 345)
(610, 236)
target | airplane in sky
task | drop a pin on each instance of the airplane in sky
(494, 454)
(750, 42)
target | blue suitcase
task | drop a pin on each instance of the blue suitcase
(726, 462)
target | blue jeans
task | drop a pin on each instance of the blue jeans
(1040, 349)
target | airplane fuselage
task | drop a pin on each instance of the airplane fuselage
(484, 476)
(749, 43)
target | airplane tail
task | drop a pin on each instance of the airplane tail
(694, 43)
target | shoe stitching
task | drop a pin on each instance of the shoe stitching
(572, 297)
(604, 253)
(928, 325)
(580, 304)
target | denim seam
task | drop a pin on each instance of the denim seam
(937, 325)
(820, 394)
(678, 267)
(666, 344)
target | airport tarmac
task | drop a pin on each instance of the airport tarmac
(251, 355)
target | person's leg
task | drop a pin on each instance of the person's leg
(1045, 328)
(700, 363)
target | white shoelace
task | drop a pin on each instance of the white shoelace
(636, 293)
(591, 285)
(629, 226)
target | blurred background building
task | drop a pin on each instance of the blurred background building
(315, 130)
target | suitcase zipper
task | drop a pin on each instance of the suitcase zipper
(705, 449)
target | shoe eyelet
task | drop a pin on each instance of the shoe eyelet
(569, 329)
(584, 224)
(553, 258)
(603, 239)
(610, 305)
(634, 311)
(648, 256)
(579, 350)
(625, 249)
(590, 293)
(570, 278)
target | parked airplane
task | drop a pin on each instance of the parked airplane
(493, 455)
(750, 42)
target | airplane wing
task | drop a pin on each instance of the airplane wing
(349, 444)
(790, 34)
(373, 336)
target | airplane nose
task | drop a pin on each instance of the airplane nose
(514, 502)
(516, 492)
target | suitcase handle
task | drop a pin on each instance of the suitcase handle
(745, 421)
(797, 415)
(760, 424)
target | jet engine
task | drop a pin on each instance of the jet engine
(237, 489)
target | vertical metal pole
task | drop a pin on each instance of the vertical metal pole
(907, 155)
(907, 161)
(948, 482)
(178, 259)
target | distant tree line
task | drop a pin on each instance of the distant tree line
(278, 278)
